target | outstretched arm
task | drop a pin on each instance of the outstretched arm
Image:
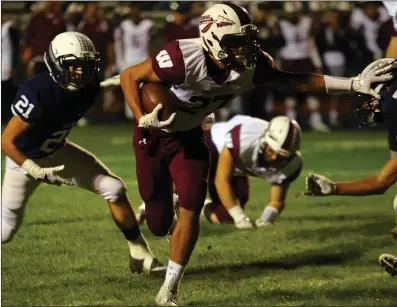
(378, 71)
(318, 185)
(373, 185)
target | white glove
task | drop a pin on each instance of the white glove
(319, 185)
(111, 83)
(48, 174)
(151, 120)
(377, 71)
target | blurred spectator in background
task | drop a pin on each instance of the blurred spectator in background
(197, 9)
(178, 24)
(391, 50)
(269, 35)
(300, 55)
(367, 20)
(97, 28)
(134, 35)
(120, 13)
(331, 43)
(10, 36)
(259, 102)
(42, 28)
(73, 15)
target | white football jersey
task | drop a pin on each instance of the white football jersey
(135, 41)
(370, 27)
(242, 136)
(297, 39)
(391, 7)
(182, 64)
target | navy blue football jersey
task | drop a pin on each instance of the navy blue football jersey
(51, 110)
(389, 110)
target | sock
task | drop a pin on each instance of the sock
(269, 214)
(174, 275)
(206, 202)
(237, 213)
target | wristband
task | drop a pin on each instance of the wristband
(338, 84)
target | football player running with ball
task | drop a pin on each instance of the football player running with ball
(369, 111)
(246, 146)
(45, 109)
(203, 73)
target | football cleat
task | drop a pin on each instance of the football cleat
(389, 264)
(166, 297)
(262, 223)
(139, 266)
(244, 223)
(206, 212)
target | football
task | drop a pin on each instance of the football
(155, 93)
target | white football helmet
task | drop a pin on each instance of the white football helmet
(227, 32)
(283, 136)
(72, 60)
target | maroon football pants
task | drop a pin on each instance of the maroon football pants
(240, 185)
(163, 158)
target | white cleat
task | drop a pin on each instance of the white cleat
(244, 223)
(166, 297)
(262, 223)
(319, 126)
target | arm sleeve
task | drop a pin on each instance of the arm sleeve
(169, 65)
(26, 106)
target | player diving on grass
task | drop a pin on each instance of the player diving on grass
(245, 146)
(35, 142)
(370, 110)
(203, 73)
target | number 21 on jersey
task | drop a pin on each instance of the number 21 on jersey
(24, 107)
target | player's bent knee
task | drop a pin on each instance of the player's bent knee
(158, 218)
(10, 222)
(110, 188)
(159, 229)
(7, 233)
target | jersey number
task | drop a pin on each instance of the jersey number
(164, 60)
(58, 137)
(205, 101)
(24, 107)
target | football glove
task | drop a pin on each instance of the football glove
(47, 175)
(319, 185)
(151, 120)
(377, 71)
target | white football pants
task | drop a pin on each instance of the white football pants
(80, 165)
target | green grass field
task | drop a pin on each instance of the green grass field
(321, 251)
